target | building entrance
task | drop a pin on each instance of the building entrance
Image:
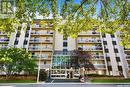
(62, 67)
(65, 74)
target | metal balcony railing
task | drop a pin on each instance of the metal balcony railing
(87, 40)
(40, 48)
(91, 48)
(62, 53)
(99, 65)
(89, 33)
(36, 41)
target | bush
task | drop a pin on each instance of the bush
(43, 75)
(97, 75)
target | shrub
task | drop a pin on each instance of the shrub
(43, 75)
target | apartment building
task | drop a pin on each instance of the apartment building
(53, 50)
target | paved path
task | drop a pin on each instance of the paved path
(64, 85)
(65, 81)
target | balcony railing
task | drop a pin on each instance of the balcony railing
(44, 66)
(99, 66)
(127, 49)
(89, 41)
(40, 26)
(127, 56)
(90, 48)
(2, 33)
(42, 33)
(4, 40)
(40, 49)
(41, 41)
(3, 47)
(89, 33)
(98, 56)
(41, 56)
(63, 53)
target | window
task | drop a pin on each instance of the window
(64, 38)
(26, 35)
(64, 44)
(16, 42)
(25, 42)
(108, 58)
(114, 42)
(109, 68)
(112, 35)
(120, 68)
(45, 62)
(103, 35)
(65, 50)
(105, 42)
(118, 59)
(116, 50)
(18, 34)
(106, 50)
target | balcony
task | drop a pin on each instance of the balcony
(97, 57)
(40, 48)
(3, 47)
(41, 41)
(89, 41)
(43, 57)
(129, 67)
(2, 33)
(37, 26)
(44, 66)
(127, 57)
(89, 33)
(99, 66)
(63, 53)
(93, 48)
(4, 40)
(42, 33)
(126, 49)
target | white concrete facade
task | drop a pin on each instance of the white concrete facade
(91, 42)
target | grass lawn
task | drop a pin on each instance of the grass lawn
(17, 81)
(110, 81)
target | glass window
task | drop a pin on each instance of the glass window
(118, 59)
(112, 35)
(108, 58)
(25, 42)
(26, 35)
(44, 62)
(120, 68)
(115, 50)
(64, 44)
(109, 68)
(106, 50)
(105, 42)
(103, 35)
(114, 42)
(16, 42)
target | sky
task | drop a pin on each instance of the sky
(76, 1)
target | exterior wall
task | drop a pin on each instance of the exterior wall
(12, 39)
(89, 41)
(112, 56)
(71, 44)
(58, 41)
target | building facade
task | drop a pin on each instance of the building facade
(53, 50)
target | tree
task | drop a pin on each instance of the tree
(15, 60)
(81, 59)
(70, 17)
